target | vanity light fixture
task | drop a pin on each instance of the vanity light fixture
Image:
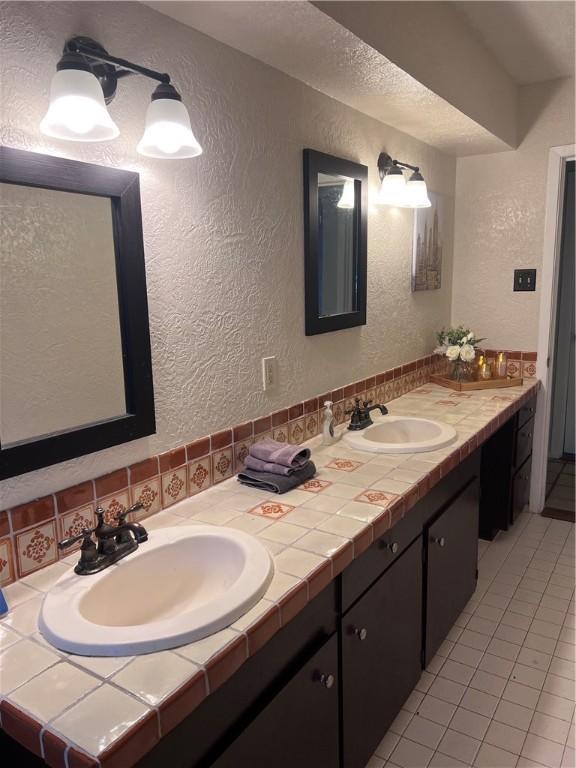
(347, 198)
(85, 82)
(395, 190)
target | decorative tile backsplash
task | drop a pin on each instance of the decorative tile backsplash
(29, 533)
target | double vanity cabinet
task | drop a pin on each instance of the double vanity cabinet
(323, 691)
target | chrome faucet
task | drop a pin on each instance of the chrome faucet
(360, 418)
(110, 543)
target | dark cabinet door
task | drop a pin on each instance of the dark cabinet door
(452, 557)
(300, 726)
(381, 655)
(521, 488)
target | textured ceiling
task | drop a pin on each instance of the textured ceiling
(533, 41)
(302, 41)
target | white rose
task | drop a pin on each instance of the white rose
(453, 352)
(467, 353)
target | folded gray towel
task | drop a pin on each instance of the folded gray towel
(272, 483)
(280, 453)
(267, 466)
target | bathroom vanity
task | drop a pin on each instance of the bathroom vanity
(318, 672)
(323, 691)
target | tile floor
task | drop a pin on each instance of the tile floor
(560, 485)
(500, 692)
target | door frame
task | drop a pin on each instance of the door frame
(557, 159)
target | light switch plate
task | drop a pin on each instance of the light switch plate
(268, 373)
(524, 279)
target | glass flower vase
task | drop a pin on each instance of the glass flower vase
(461, 371)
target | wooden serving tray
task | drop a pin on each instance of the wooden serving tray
(463, 386)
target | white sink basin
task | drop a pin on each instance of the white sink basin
(402, 434)
(183, 584)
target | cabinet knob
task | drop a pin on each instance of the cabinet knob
(440, 540)
(361, 633)
(392, 546)
(326, 680)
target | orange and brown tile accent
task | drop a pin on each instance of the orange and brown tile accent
(29, 532)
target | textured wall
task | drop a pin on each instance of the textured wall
(223, 233)
(500, 221)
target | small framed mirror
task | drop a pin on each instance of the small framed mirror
(75, 363)
(335, 242)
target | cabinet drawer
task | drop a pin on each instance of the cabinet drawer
(364, 571)
(526, 412)
(523, 443)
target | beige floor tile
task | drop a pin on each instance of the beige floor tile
(424, 732)
(496, 666)
(521, 694)
(514, 714)
(543, 751)
(447, 690)
(459, 746)
(387, 745)
(484, 681)
(550, 727)
(470, 723)
(490, 756)
(528, 676)
(505, 737)
(465, 655)
(435, 709)
(477, 701)
(459, 673)
(408, 754)
(556, 706)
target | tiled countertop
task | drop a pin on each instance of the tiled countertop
(82, 711)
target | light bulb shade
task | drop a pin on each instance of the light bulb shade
(167, 133)
(77, 111)
(393, 188)
(347, 199)
(417, 192)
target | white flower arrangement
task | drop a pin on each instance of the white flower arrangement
(457, 344)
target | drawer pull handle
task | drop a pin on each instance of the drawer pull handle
(441, 541)
(361, 633)
(326, 680)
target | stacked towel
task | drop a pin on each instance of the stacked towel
(276, 467)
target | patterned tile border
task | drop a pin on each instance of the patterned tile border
(160, 481)
(254, 629)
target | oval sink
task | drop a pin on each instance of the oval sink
(402, 434)
(185, 583)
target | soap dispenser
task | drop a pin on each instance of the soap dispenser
(328, 424)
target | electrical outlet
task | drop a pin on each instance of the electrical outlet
(268, 373)
(524, 279)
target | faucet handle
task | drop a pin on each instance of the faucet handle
(367, 403)
(85, 536)
(123, 514)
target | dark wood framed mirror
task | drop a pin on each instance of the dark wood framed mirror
(75, 363)
(335, 242)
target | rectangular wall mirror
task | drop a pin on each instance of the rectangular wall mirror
(75, 366)
(335, 237)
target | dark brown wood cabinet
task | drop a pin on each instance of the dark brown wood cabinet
(451, 543)
(300, 726)
(381, 661)
(505, 472)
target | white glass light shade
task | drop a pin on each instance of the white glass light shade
(347, 199)
(392, 190)
(168, 133)
(416, 194)
(77, 110)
